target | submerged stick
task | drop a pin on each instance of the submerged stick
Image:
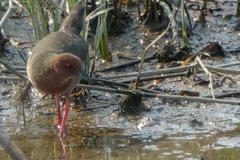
(150, 73)
(10, 8)
(164, 96)
(178, 69)
(14, 71)
(150, 78)
(145, 52)
(4, 78)
(120, 84)
(126, 64)
(12, 150)
(209, 74)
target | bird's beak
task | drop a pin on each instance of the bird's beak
(84, 76)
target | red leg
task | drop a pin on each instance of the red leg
(59, 121)
(64, 121)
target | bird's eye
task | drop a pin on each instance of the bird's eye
(69, 66)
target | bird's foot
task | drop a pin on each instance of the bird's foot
(57, 125)
(60, 129)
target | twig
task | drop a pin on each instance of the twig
(19, 4)
(5, 17)
(223, 70)
(177, 69)
(25, 91)
(14, 71)
(171, 15)
(231, 78)
(188, 17)
(207, 74)
(123, 85)
(14, 44)
(3, 78)
(150, 73)
(111, 82)
(156, 77)
(127, 64)
(229, 65)
(225, 94)
(93, 108)
(7, 71)
(164, 96)
(12, 150)
(145, 53)
(17, 67)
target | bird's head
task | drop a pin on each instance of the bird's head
(69, 65)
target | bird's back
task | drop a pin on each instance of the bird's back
(75, 20)
(61, 42)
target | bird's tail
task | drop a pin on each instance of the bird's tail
(74, 21)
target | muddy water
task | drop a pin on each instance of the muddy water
(104, 134)
(169, 130)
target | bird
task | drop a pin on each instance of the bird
(57, 62)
